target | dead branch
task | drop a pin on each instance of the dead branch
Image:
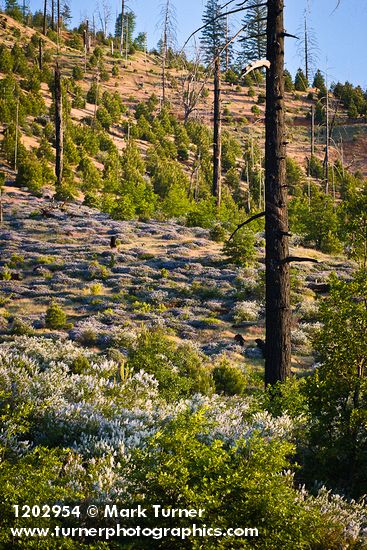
(291, 259)
(253, 218)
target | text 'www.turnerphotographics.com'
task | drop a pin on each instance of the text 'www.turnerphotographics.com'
(111, 512)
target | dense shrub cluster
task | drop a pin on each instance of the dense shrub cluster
(111, 427)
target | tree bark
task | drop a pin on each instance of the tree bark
(53, 15)
(307, 74)
(40, 54)
(122, 27)
(327, 160)
(164, 53)
(58, 129)
(217, 141)
(278, 310)
(87, 37)
(1, 206)
(44, 17)
(227, 48)
(58, 19)
(312, 131)
(16, 136)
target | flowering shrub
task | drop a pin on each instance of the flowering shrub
(245, 311)
(112, 426)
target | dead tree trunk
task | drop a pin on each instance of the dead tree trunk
(327, 143)
(227, 48)
(278, 311)
(40, 54)
(1, 206)
(164, 52)
(122, 27)
(217, 141)
(58, 129)
(87, 37)
(53, 15)
(16, 136)
(58, 19)
(44, 16)
(312, 131)
(307, 72)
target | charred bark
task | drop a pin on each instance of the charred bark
(122, 27)
(53, 15)
(278, 310)
(44, 17)
(40, 54)
(217, 141)
(58, 129)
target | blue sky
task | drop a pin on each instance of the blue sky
(341, 36)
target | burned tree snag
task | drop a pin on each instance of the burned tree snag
(278, 310)
(217, 141)
(40, 54)
(58, 128)
(122, 27)
(53, 15)
(165, 50)
(44, 17)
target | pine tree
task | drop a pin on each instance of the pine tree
(319, 80)
(288, 82)
(213, 38)
(128, 27)
(66, 13)
(13, 9)
(253, 41)
(300, 82)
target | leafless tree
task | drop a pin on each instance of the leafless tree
(122, 27)
(104, 15)
(168, 25)
(44, 17)
(307, 45)
(192, 85)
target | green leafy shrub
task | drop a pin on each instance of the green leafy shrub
(55, 317)
(218, 233)
(179, 370)
(240, 250)
(237, 485)
(337, 391)
(21, 328)
(229, 379)
(77, 73)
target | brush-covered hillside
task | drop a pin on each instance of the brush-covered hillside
(132, 304)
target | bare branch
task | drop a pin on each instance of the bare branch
(291, 259)
(198, 94)
(256, 65)
(253, 218)
(336, 7)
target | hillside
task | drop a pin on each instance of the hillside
(161, 275)
(141, 77)
(174, 372)
(185, 284)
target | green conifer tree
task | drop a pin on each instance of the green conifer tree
(253, 40)
(300, 82)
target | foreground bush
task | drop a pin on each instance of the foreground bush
(77, 427)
